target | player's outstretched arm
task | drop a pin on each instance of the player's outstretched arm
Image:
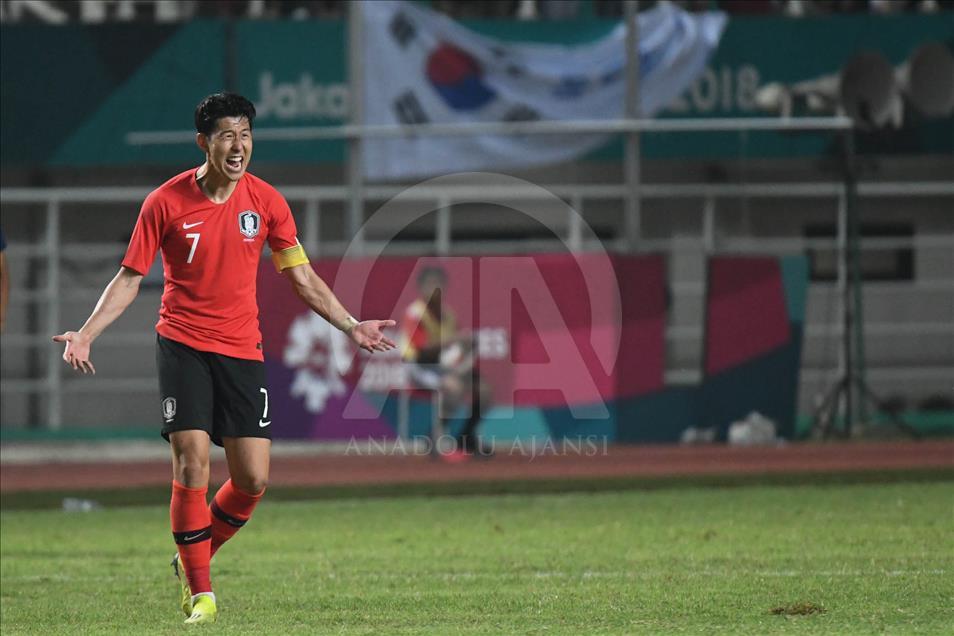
(315, 293)
(118, 295)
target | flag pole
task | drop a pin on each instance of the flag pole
(356, 143)
(631, 156)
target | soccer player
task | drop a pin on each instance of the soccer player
(211, 224)
(442, 358)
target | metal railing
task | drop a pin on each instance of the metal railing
(442, 197)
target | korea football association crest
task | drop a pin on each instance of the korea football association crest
(249, 223)
(169, 408)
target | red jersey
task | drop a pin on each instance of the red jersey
(210, 257)
(421, 329)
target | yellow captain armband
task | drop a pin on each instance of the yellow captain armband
(290, 257)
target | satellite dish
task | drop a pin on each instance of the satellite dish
(927, 79)
(867, 91)
(774, 97)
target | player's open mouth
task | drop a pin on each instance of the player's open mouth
(234, 163)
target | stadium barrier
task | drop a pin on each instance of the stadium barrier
(52, 250)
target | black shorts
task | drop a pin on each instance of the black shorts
(211, 392)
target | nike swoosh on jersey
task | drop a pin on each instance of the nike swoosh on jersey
(262, 424)
(186, 226)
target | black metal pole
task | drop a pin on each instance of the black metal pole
(852, 277)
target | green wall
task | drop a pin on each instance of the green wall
(71, 93)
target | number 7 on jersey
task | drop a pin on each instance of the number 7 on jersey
(195, 241)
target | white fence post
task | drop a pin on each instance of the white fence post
(575, 223)
(708, 224)
(442, 231)
(312, 226)
(54, 378)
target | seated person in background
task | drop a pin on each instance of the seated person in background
(442, 359)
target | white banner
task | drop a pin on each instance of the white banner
(421, 67)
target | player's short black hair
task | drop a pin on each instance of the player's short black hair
(431, 271)
(219, 105)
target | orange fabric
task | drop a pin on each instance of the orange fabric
(235, 504)
(210, 256)
(419, 329)
(188, 513)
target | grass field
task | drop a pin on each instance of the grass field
(858, 559)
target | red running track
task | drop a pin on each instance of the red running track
(616, 462)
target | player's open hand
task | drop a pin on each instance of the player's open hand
(367, 335)
(77, 350)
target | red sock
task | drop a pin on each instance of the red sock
(191, 528)
(230, 509)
